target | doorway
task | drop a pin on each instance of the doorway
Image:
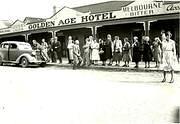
(138, 33)
(63, 45)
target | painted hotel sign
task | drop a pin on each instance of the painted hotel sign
(142, 9)
(133, 10)
(75, 20)
(41, 25)
(153, 8)
(89, 18)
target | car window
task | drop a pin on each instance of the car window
(6, 46)
(13, 46)
(25, 46)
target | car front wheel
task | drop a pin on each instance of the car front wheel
(24, 62)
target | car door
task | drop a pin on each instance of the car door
(13, 52)
(5, 51)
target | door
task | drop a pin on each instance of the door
(13, 52)
(5, 51)
(138, 33)
(63, 45)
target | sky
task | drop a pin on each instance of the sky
(19, 9)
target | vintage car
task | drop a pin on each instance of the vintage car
(20, 53)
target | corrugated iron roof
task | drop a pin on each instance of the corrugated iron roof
(103, 7)
(111, 6)
(28, 20)
(168, 2)
(5, 23)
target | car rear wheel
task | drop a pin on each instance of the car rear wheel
(1, 63)
(24, 62)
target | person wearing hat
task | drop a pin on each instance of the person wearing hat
(147, 52)
(136, 51)
(169, 56)
(102, 51)
(70, 49)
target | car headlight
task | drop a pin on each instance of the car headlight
(33, 53)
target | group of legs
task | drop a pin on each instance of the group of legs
(172, 76)
(55, 55)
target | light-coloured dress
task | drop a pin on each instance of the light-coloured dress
(44, 47)
(169, 55)
(86, 54)
(95, 51)
(126, 52)
(117, 50)
(70, 49)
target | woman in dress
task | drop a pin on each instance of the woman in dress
(102, 51)
(45, 50)
(147, 53)
(126, 52)
(91, 39)
(117, 51)
(169, 56)
(95, 52)
(136, 52)
(86, 54)
(70, 49)
(109, 46)
(157, 51)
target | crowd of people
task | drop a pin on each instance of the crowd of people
(50, 51)
(114, 50)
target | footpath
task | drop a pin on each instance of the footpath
(117, 68)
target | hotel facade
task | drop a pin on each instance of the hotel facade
(118, 18)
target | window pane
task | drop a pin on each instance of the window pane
(13, 46)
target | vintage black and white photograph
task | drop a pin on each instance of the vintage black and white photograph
(90, 62)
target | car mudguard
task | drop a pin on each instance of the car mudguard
(28, 56)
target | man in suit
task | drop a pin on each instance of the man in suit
(57, 49)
